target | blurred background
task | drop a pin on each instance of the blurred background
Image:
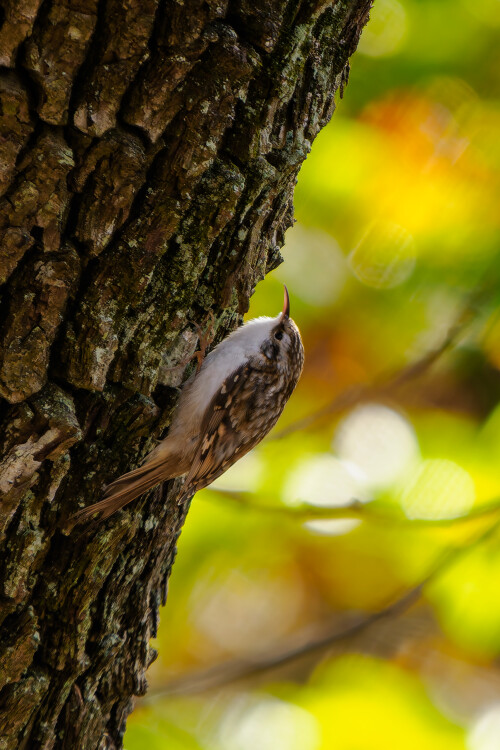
(339, 588)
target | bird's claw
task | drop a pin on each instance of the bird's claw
(205, 338)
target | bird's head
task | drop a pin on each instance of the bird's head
(282, 338)
(268, 341)
(276, 341)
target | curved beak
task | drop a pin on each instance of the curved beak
(285, 313)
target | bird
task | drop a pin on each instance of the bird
(225, 409)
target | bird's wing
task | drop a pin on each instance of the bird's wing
(230, 427)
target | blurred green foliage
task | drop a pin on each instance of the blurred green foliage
(394, 255)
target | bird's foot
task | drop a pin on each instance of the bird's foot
(205, 338)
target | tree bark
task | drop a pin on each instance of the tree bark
(148, 154)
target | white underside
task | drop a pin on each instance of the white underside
(217, 366)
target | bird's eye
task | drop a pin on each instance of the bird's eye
(278, 335)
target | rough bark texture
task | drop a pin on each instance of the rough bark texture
(148, 154)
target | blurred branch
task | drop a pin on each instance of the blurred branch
(309, 643)
(355, 509)
(386, 384)
(302, 645)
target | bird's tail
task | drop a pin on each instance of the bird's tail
(130, 485)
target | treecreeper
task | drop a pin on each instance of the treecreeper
(224, 410)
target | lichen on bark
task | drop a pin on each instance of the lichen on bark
(149, 155)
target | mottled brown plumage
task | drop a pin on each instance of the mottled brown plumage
(224, 411)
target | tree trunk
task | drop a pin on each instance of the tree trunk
(148, 155)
